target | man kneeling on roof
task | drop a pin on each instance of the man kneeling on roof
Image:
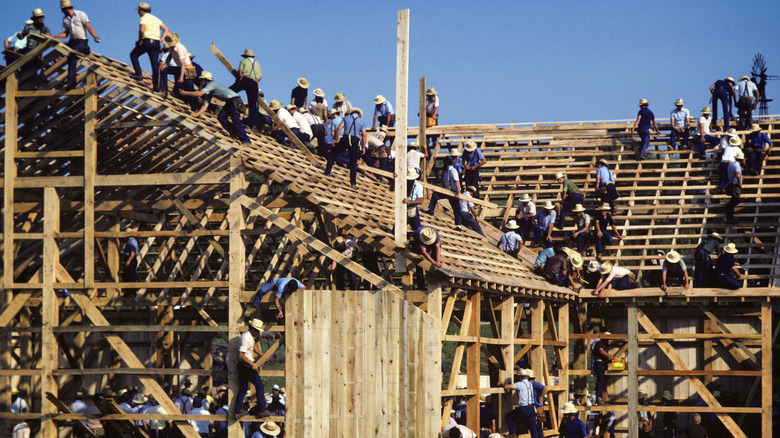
(511, 242)
(426, 242)
(209, 89)
(674, 272)
(620, 278)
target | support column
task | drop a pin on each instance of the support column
(422, 140)
(506, 373)
(632, 363)
(537, 336)
(235, 285)
(766, 369)
(473, 361)
(49, 309)
(401, 97)
(563, 353)
(90, 162)
(9, 176)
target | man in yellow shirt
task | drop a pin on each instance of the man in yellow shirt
(249, 75)
(149, 43)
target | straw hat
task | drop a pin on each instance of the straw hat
(560, 175)
(412, 145)
(756, 127)
(171, 39)
(356, 110)
(606, 333)
(643, 102)
(318, 92)
(470, 145)
(248, 53)
(275, 105)
(302, 110)
(482, 398)
(523, 372)
(495, 435)
(730, 248)
(333, 112)
(576, 260)
(256, 324)
(566, 250)
(190, 55)
(142, 6)
(37, 12)
(290, 107)
(28, 22)
(732, 132)
(14, 390)
(511, 224)
(275, 387)
(605, 268)
(379, 99)
(411, 174)
(548, 205)
(602, 161)
(730, 79)
(715, 236)
(578, 208)
(744, 78)
(471, 189)
(340, 97)
(605, 206)
(431, 91)
(270, 428)
(735, 141)
(428, 235)
(569, 408)
(303, 83)
(383, 128)
(525, 197)
(740, 156)
(454, 152)
(593, 266)
(205, 75)
(706, 110)
(673, 257)
(668, 396)
(531, 374)
(641, 394)
(679, 102)
(64, 4)
(139, 399)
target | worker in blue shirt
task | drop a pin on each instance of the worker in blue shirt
(526, 405)
(722, 91)
(727, 270)
(350, 135)
(540, 391)
(210, 89)
(571, 425)
(734, 187)
(759, 146)
(473, 159)
(281, 286)
(383, 112)
(644, 120)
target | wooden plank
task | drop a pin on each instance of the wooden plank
(90, 170)
(9, 177)
(766, 369)
(223, 60)
(49, 307)
(736, 348)
(191, 217)
(401, 99)
(236, 283)
(633, 364)
(422, 138)
(473, 362)
(697, 384)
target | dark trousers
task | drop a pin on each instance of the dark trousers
(352, 143)
(571, 200)
(163, 433)
(235, 128)
(471, 178)
(280, 135)
(702, 271)
(601, 242)
(725, 102)
(186, 85)
(731, 206)
(624, 283)
(723, 175)
(469, 221)
(151, 48)
(79, 46)
(610, 195)
(710, 141)
(644, 134)
(745, 112)
(522, 414)
(414, 221)
(351, 279)
(250, 86)
(526, 226)
(540, 234)
(756, 160)
(318, 131)
(581, 239)
(457, 215)
(386, 120)
(600, 368)
(246, 375)
(683, 136)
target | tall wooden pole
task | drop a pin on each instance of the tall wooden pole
(401, 97)
(236, 259)
(422, 140)
(49, 308)
(9, 176)
(633, 365)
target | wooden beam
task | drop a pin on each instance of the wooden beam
(633, 363)
(473, 362)
(49, 308)
(422, 140)
(236, 285)
(737, 349)
(506, 371)
(9, 178)
(90, 171)
(223, 60)
(191, 217)
(401, 113)
(766, 369)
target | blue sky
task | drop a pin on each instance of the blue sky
(492, 61)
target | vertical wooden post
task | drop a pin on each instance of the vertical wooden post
(473, 362)
(506, 373)
(9, 176)
(235, 284)
(563, 353)
(632, 363)
(49, 309)
(709, 351)
(433, 379)
(401, 97)
(766, 368)
(422, 140)
(90, 161)
(537, 335)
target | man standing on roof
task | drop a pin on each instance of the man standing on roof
(734, 187)
(644, 120)
(703, 267)
(571, 195)
(350, 135)
(511, 242)
(603, 223)
(473, 159)
(759, 146)
(525, 215)
(15, 45)
(605, 183)
(432, 112)
(75, 25)
(468, 214)
(249, 76)
(319, 106)
(747, 99)
(149, 43)
(543, 225)
(413, 199)
(734, 146)
(383, 111)
(341, 104)
(177, 63)
(722, 91)
(210, 89)
(280, 286)
(674, 272)
(581, 227)
(681, 119)
(300, 94)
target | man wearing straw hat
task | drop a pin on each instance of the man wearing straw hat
(432, 106)
(571, 425)
(706, 139)
(747, 99)
(727, 269)
(723, 91)
(300, 94)
(680, 118)
(571, 195)
(248, 79)
(36, 27)
(734, 187)
(248, 370)
(581, 227)
(75, 24)
(729, 156)
(15, 45)
(703, 267)
(413, 199)
(211, 89)
(426, 242)
(674, 272)
(383, 112)
(468, 215)
(148, 42)
(351, 135)
(177, 63)
(511, 242)
(526, 405)
(525, 215)
(473, 159)
(603, 223)
(620, 278)
(543, 224)
(759, 146)
(319, 106)
(605, 183)
(341, 104)
(644, 119)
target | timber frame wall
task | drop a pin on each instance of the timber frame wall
(85, 169)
